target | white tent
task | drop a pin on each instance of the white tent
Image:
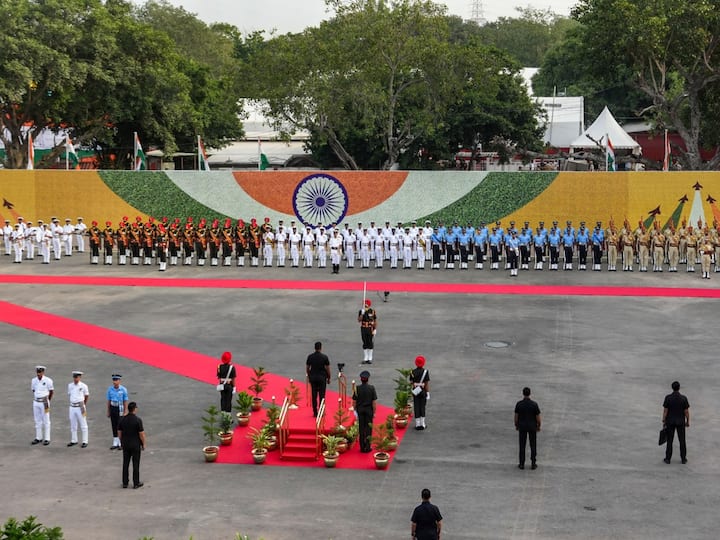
(605, 126)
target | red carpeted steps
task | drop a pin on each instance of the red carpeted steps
(300, 446)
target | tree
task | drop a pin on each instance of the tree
(671, 47)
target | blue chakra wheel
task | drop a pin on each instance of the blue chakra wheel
(320, 198)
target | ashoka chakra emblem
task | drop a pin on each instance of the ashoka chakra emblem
(320, 198)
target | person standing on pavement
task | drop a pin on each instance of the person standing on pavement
(676, 417)
(42, 389)
(420, 383)
(527, 423)
(132, 439)
(365, 400)
(426, 520)
(78, 394)
(226, 381)
(117, 400)
(368, 326)
(317, 369)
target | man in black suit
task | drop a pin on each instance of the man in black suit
(317, 369)
(676, 417)
(527, 423)
(132, 440)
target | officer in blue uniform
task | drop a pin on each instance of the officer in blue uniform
(450, 239)
(480, 244)
(598, 243)
(512, 246)
(495, 241)
(568, 242)
(553, 239)
(582, 239)
(442, 231)
(525, 238)
(117, 400)
(463, 241)
(436, 248)
(539, 242)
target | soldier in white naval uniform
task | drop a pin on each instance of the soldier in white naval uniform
(78, 394)
(42, 389)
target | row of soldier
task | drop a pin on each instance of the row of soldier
(166, 241)
(45, 239)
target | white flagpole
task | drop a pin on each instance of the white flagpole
(134, 156)
(199, 154)
(259, 155)
(67, 153)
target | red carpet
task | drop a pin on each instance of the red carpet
(188, 364)
(433, 288)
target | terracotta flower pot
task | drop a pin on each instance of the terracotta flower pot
(243, 419)
(226, 438)
(256, 404)
(381, 459)
(330, 459)
(211, 453)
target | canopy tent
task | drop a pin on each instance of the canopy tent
(603, 127)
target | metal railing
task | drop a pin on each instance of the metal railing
(319, 429)
(283, 425)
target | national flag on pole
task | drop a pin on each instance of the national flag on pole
(31, 153)
(666, 161)
(263, 162)
(203, 164)
(70, 154)
(609, 156)
(140, 163)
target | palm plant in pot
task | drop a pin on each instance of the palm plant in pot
(331, 453)
(258, 385)
(259, 442)
(226, 433)
(402, 399)
(210, 432)
(403, 384)
(269, 430)
(243, 404)
(351, 434)
(390, 426)
(381, 443)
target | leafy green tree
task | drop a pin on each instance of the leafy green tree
(671, 49)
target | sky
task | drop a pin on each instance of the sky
(296, 15)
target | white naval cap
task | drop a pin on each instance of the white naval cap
(77, 373)
(39, 368)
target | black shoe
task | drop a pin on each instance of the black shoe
(35, 441)
(533, 466)
(421, 428)
(124, 486)
(136, 486)
(45, 443)
(114, 448)
(521, 466)
(666, 460)
(71, 443)
(83, 445)
(683, 461)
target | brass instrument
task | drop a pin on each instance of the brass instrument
(108, 237)
(227, 237)
(255, 236)
(95, 236)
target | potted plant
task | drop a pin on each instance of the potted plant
(341, 417)
(403, 384)
(226, 433)
(351, 434)
(258, 385)
(259, 442)
(293, 394)
(273, 415)
(331, 453)
(402, 398)
(381, 443)
(210, 432)
(243, 404)
(390, 426)
(269, 430)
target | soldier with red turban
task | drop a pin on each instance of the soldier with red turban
(420, 388)
(368, 326)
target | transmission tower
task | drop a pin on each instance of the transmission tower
(478, 12)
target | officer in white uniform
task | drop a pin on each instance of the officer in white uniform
(78, 394)
(294, 238)
(18, 240)
(45, 239)
(322, 241)
(67, 237)
(308, 246)
(42, 389)
(80, 229)
(30, 240)
(377, 244)
(280, 245)
(7, 237)
(56, 233)
(350, 241)
(335, 243)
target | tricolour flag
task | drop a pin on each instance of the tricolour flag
(203, 164)
(70, 154)
(31, 153)
(609, 156)
(666, 161)
(140, 163)
(263, 162)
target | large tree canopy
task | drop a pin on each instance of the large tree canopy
(382, 80)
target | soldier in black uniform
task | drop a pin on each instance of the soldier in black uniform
(94, 234)
(365, 400)
(527, 422)
(317, 369)
(368, 323)
(132, 440)
(226, 378)
(676, 417)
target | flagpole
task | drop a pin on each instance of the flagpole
(134, 156)
(199, 154)
(259, 155)
(67, 153)
(607, 152)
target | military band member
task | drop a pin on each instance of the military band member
(214, 242)
(42, 389)
(57, 232)
(78, 394)
(67, 237)
(108, 242)
(368, 328)
(123, 241)
(241, 242)
(7, 231)
(94, 235)
(18, 240)
(45, 237)
(254, 241)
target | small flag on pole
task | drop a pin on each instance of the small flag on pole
(203, 164)
(140, 163)
(70, 154)
(666, 161)
(31, 153)
(609, 156)
(263, 162)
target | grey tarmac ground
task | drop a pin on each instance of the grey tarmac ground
(598, 366)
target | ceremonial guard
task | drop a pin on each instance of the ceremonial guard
(174, 243)
(377, 247)
(463, 242)
(18, 240)
(706, 252)
(321, 240)
(67, 236)
(539, 242)
(45, 237)
(407, 248)
(613, 240)
(568, 242)
(598, 246)
(57, 232)
(524, 239)
(512, 246)
(350, 243)
(135, 243)
(628, 247)
(427, 233)
(716, 243)
(421, 243)
(79, 233)
(308, 241)
(658, 245)
(364, 241)
(201, 241)
(42, 390)
(188, 240)
(554, 239)
(163, 240)
(582, 239)
(30, 240)
(420, 383)
(295, 239)
(450, 241)
(108, 242)
(643, 242)
(365, 402)
(148, 242)
(335, 244)
(226, 374)
(436, 247)
(78, 395)
(117, 400)
(241, 242)
(214, 242)
(7, 232)
(691, 247)
(368, 327)
(94, 235)
(673, 249)
(123, 239)
(254, 240)
(281, 245)
(495, 239)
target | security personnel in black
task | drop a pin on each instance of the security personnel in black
(365, 399)
(676, 417)
(317, 369)
(527, 422)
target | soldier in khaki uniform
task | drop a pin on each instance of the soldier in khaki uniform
(673, 252)
(691, 248)
(643, 242)
(613, 239)
(627, 243)
(706, 252)
(658, 243)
